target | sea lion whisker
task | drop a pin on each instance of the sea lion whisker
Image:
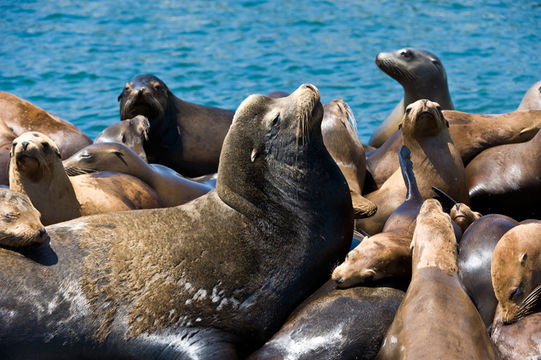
(529, 303)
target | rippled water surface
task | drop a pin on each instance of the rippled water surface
(72, 58)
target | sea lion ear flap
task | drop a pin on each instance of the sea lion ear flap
(253, 155)
(120, 96)
(446, 122)
(400, 126)
(57, 152)
(523, 259)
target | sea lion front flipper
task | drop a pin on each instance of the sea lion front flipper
(446, 201)
(362, 207)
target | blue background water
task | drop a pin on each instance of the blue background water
(72, 58)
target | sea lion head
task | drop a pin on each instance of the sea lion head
(463, 215)
(423, 118)
(145, 95)
(35, 155)
(132, 133)
(20, 223)
(412, 67)
(516, 271)
(272, 148)
(375, 258)
(99, 157)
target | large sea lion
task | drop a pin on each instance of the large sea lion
(532, 98)
(422, 76)
(520, 340)
(516, 271)
(335, 324)
(386, 254)
(506, 179)
(474, 259)
(171, 188)
(436, 319)
(214, 278)
(18, 116)
(340, 139)
(36, 171)
(471, 133)
(183, 136)
(436, 162)
(131, 132)
(20, 223)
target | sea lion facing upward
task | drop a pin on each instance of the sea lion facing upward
(183, 136)
(132, 133)
(201, 280)
(532, 98)
(436, 319)
(422, 76)
(19, 220)
(516, 271)
(340, 139)
(36, 171)
(386, 254)
(172, 189)
(436, 162)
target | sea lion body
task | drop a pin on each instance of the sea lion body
(207, 279)
(436, 162)
(474, 259)
(436, 319)
(516, 271)
(20, 223)
(506, 179)
(19, 116)
(183, 136)
(517, 341)
(340, 139)
(36, 171)
(335, 324)
(131, 132)
(532, 98)
(422, 76)
(171, 188)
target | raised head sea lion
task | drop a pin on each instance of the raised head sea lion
(132, 133)
(506, 179)
(436, 319)
(20, 223)
(340, 139)
(36, 171)
(517, 341)
(516, 271)
(422, 76)
(213, 278)
(436, 162)
(532, 98)
(335, 324)
(474, 259)
(19, 116)
(386, 254)
(183, 136)
(172, 189)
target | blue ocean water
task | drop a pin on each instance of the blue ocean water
(72, 58)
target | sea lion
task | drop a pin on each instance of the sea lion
(335, 324)
(532, 98)
(385, 254)
(36, 171)
(517, 341)
(19, 116)
(436, 319)
(340, 139)
(436, 162)
(171, 188)
(471, 133)
(516, 271)
(131, 132)
(422, 76)
(213, 278)
(20, 223)
(183, 136)
(506, 179)
(474, 259)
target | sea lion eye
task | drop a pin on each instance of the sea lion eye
(515, 292)
(45, 146)
(86, 157)
(276, 120)
(405, 53)
(157, 87)
(11, 216)
(123, 138)
(408, 110)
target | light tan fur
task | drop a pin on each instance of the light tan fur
(463, 215)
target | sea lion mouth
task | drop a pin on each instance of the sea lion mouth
(309, 110)
(141, 104)
(74, 171)
(530, 304)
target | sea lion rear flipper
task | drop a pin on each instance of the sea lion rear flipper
(362, 207)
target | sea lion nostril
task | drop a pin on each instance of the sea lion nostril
(339, 280)
(25, 145)
(42, 231)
